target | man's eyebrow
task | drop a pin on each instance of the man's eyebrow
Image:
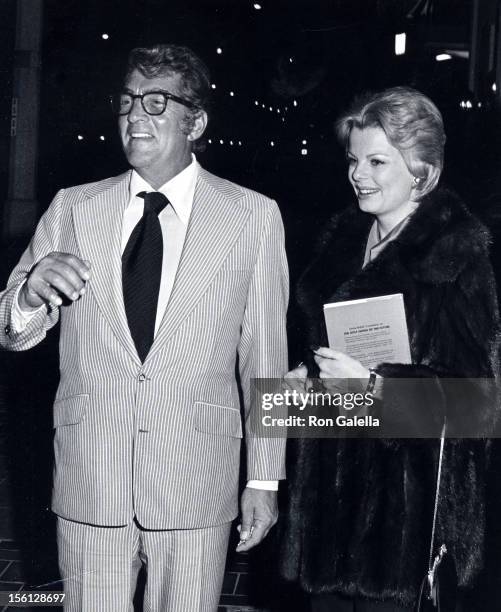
(147, 90)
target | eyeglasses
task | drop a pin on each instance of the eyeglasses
(153, 102)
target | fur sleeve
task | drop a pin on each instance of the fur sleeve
(461, 362)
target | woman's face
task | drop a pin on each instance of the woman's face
(379, 176)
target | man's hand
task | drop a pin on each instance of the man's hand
(259, 513)
(56, 276)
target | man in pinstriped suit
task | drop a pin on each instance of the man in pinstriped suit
(147, 451)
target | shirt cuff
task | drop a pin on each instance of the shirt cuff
(264, 485)
(20, 318)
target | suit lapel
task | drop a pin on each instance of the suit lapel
(98, 229)
(216, 221)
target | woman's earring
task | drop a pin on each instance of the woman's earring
(416, 180)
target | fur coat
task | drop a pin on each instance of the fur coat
(360, 511)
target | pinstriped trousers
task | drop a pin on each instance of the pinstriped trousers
(99, 567)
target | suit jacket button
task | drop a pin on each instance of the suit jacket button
(7, 330)
(141, 377)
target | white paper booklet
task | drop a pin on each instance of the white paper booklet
(373, 330)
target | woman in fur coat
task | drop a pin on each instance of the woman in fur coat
(358, 525)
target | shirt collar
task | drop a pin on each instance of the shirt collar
(180, 190)
(375, 244)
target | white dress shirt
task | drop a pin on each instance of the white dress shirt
(174, 219)
(375, 244)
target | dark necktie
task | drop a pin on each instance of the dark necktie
(142, 271)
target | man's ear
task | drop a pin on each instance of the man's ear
(199, 125)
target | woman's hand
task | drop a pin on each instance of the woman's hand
(297, 379)
(335, 364)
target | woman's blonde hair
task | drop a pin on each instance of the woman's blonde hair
(412, 123)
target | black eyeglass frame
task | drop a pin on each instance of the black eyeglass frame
(167, 96)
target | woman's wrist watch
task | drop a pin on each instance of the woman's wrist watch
(372, 381)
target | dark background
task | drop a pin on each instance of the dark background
(316, 53)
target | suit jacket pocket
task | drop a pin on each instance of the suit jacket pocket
(70, 410)
(218, 420)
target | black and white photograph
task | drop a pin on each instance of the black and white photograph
(250, 256)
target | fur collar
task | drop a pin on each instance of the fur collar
(434, 247)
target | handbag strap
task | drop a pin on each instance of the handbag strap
(437, 495)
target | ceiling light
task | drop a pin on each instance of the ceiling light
(400, 41)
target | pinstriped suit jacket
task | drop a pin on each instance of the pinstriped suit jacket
(161, 439)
